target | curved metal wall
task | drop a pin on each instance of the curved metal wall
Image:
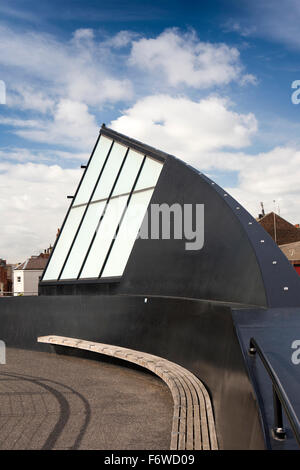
(239, 261)
(198, 335)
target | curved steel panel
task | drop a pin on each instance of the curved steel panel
(200, 336)
(239, 261)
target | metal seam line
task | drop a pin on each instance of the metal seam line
(122, 216)
(71, 205)
(115, 197)
(103, 212)
(86, 209)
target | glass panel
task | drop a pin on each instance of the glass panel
(93, 171)
(110, 172)
(83, 240)
(127, 234)
(104, 237)
(149, 175)
(63, 245)
(129, 173)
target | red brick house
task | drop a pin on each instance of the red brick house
(281, 230)
(5, 277)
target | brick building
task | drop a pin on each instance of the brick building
(5, 277)
(281, 230)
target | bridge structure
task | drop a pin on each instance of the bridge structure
(216, 298)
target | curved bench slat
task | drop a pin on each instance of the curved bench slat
(193, 425)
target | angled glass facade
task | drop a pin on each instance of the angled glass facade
(106, 214)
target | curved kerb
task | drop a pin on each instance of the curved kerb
(193, 426)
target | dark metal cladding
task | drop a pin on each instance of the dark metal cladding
(203, 308)
(198, 335)
(238, 263)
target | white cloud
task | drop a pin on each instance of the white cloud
(121, 39)
(278, 168)
(188, 129)
(49, 68)
(181, 59)
(72, 125)
(19, 154)
(209, 135)
(63, 83)
(83, 34)
(270, 176)
(263, 177)
(66, 83)
(33, 205)
(26, 97)
(19, 122)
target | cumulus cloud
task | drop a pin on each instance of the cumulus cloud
(62, 84)
(72, 126)
(270, 176)
(182, 59)
(40, 69)
(33, 204)
(75, 70)
(121, 39)
(188, 129)
(19, 154)
(83, 34)
(65, 84)
(211, 136)
(26, 97)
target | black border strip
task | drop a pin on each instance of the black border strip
(67, 215)
(122, 217)
(140, 147)
(86, 209)
(88, 280)
(116, 196)
(135, 145)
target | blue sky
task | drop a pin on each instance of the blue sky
(209, 81)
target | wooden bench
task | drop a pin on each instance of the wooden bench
(193, 425)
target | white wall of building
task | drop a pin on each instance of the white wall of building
(18, 282)
(28, 281)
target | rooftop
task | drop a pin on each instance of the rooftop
(34, 263)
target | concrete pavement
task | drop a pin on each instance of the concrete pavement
(50, 401)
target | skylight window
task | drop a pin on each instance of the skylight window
(106, 214)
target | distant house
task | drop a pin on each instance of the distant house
(292, 252)
(27, 274)
(5, 278)
(281, 230)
